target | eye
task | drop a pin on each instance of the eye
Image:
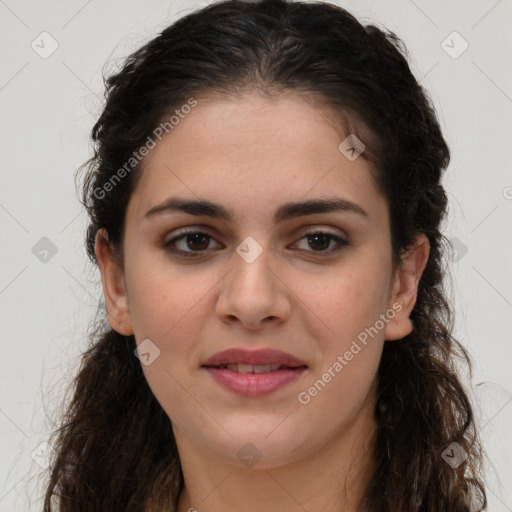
(189, 243)
(320, 241)
(192, 243)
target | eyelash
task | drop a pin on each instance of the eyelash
(167, 245)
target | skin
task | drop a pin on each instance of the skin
(251, 154)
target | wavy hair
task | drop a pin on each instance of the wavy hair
(115, 449)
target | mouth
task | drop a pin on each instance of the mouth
(270, 359)
(254, 373)
(254, 368)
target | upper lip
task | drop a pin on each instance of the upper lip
(253, 357)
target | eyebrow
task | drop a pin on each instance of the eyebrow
(286, 211)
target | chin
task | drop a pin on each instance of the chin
(257, 449)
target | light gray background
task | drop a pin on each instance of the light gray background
(48, 107)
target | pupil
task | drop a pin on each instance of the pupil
(195, 238)
(313, 238)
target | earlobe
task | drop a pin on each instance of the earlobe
(405, 287)
(114, 289)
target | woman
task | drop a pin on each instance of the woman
(265, 200)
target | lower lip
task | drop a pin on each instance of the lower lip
(254, 384)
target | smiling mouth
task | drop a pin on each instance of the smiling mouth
(254, 368)
(254, 373)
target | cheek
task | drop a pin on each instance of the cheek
(353, 308)
(163, 297)
(351, 351)
(352, 299)
(168, 308)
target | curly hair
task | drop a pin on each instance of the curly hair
(115, 448)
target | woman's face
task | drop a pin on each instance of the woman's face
(254, 280)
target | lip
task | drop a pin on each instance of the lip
(253, 357)
(254, 384)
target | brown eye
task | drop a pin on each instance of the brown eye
(197, 241)
(191, 243)
(319, 242)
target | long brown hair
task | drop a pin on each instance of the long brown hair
(115, 449)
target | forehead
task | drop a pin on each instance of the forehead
(254, 151)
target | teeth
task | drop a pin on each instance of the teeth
(250, 368)
(261, 368)
(245, 368)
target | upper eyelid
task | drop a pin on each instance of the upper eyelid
(298, 232)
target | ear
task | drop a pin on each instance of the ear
(405, 287)
(114, 288)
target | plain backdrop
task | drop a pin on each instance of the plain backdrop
(51, 91)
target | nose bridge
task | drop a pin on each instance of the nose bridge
(252, 290)
(251, 273)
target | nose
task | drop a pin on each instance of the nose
(254, 294)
